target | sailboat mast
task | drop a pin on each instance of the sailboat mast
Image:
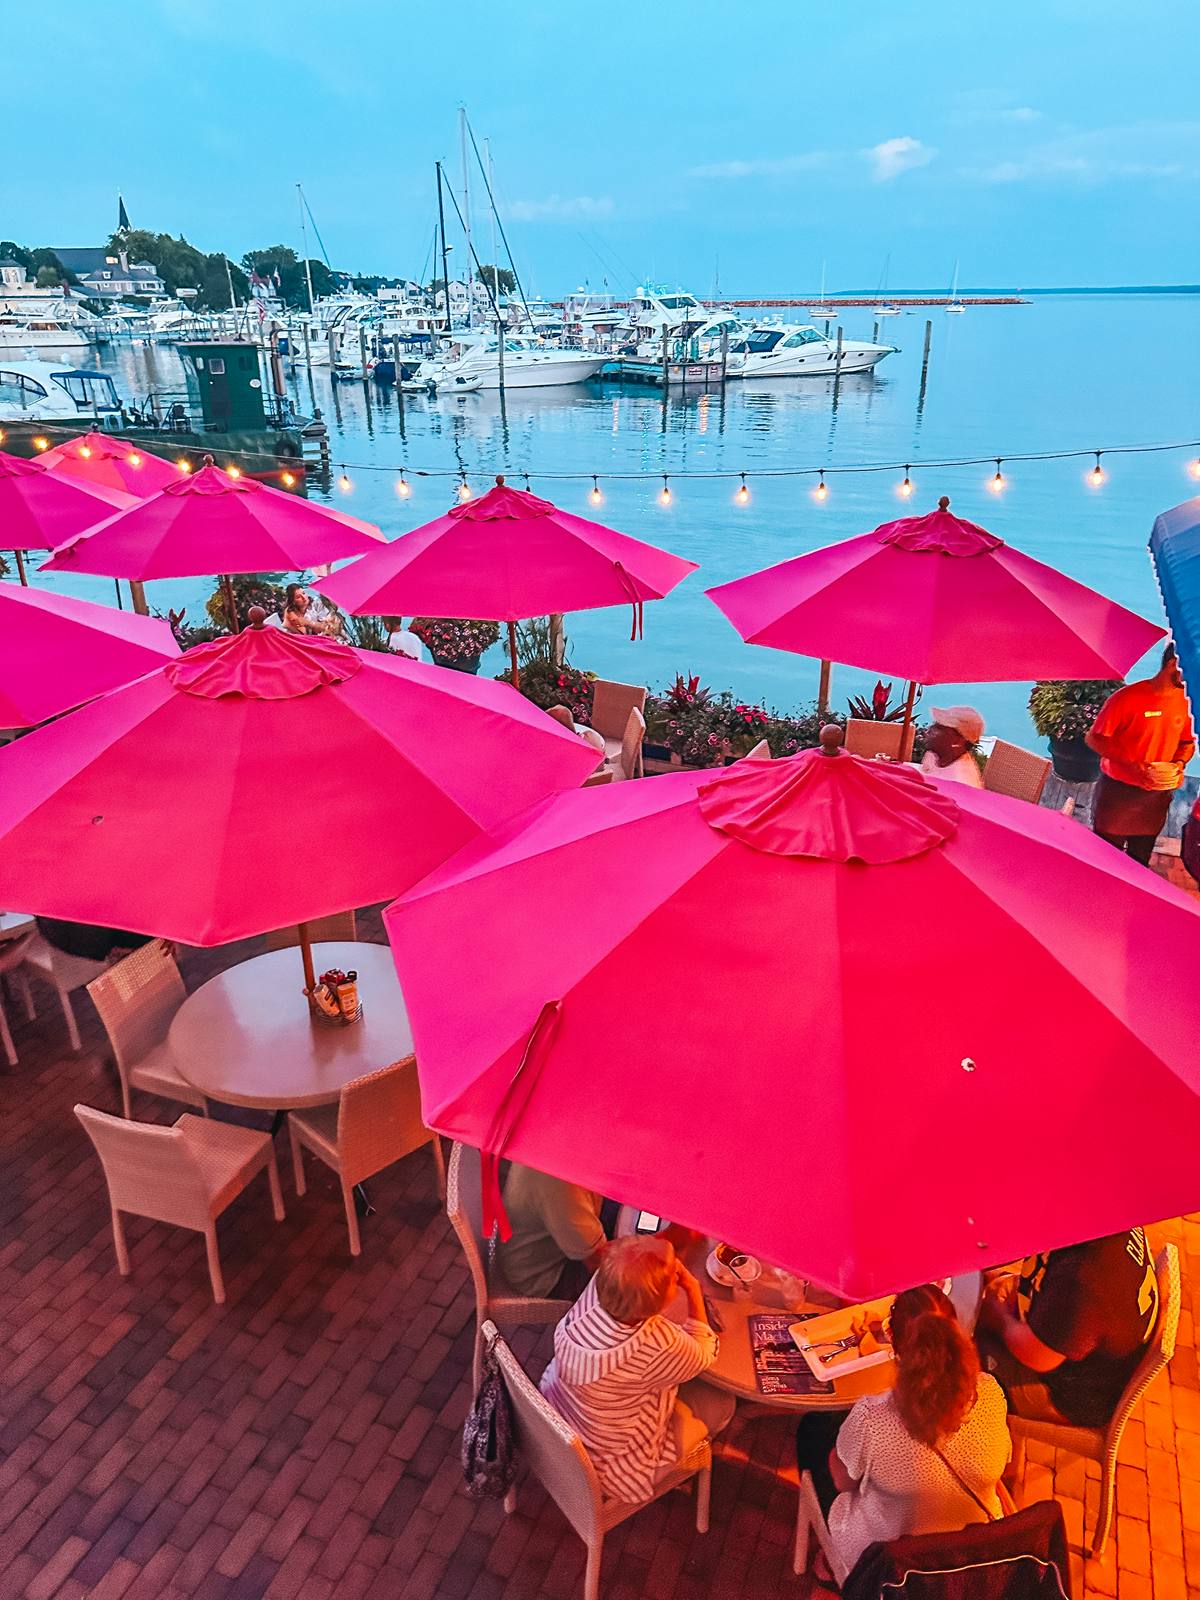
(229, 281)
(466, 183)
(487, 163)
(304, 241)
(442, 230)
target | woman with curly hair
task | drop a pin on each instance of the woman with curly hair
(927, 1456)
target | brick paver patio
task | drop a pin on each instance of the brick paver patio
(302, 1440)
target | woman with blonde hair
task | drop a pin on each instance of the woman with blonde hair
(927, 1456)
(620, 1356)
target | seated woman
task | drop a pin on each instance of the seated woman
(296, 606)
(927, 1456)
(619, 1359)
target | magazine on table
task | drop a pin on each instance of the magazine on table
(779, 1367)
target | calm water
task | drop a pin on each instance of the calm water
(1057, 373)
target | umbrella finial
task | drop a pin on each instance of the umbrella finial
(831, 739)
(256, 616)
(944, 503)
(499, 480)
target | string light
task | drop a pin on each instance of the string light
(286, 479)
(1096, 475)
(40, 443)
(997, 484)
(85, 451)
(133, 459)
(743, 495)
(595, 496)
(2, 436)
(1193, 466)
(906, 488)
(344, 483)
(665, 492)
(184, 464)
(464, 490)
(821, 492)
(403, 487)
(234, 472)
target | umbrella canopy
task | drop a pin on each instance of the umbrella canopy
(506, 556)
(99, 458)
(212, 523)
(1175, 548)
(875, 1029)
(936, 599)
(263, 780)
(39, 509)
(56, 652)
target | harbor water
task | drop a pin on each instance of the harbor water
(1059, 373)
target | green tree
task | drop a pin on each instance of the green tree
(292, 287)
(47, 278)
(180, 264)
(214, 286)
(12, 251)
(507, 277)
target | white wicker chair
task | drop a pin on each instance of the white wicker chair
(186, 1175)
(865, 737)
(626, 760)
(136, 1000)
(376, 1121)
(494, 1298)
(556, 1455)
(64, 974)
(760, 752)
(340, 926)
(611, 704)
(1020, 773)
(1103, 1444)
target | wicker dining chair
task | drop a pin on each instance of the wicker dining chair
(626, 761)
(1020, 773)
(137, 1000)
(494, 1298)
(557, 1456)
(186, 1175)
(605, 775)
(64, 974)
(611, 704)
(760, 752)
(1104, 1444)
(376, 1121)
(866, 737)
(12, 965)
(340, 927)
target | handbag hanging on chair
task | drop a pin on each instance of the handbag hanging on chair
(488, 1453)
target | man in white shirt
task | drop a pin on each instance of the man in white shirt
(950, 743)
(403, 641)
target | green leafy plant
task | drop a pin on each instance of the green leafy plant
(1066, 709)
(367, 633)
(549, 685)
(455, 638)
(263, 589)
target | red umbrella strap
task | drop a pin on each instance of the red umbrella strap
(508, 1113)
(635, 600)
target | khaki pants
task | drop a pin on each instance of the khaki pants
(701, 1412)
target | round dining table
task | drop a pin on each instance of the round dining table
(247, 1038)
(734, 1369)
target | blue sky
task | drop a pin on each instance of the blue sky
(1047, 143)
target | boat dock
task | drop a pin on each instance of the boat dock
(669, 374)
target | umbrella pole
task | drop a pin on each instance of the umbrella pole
(21, 569)
(230, 603)
(906, 726)
(823, 688)
(514, 671)
(310, 977)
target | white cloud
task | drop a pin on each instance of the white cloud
(1020, 114)
(1102, 155)
(768, 167)
(562, 208)
(894, 156)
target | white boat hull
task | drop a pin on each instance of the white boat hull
(807, 362)
(520, 372)
(17, 341)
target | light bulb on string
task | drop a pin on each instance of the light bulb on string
(464, 491)
(184, 464)
(1097, 475)
(905, 489)
(997, 484)
(85, 451)
(344, 483)
(286, 479)
(821, 492)
(595, 495)
(134, 459)
(403, 487)
(40, 443)
(664, 496)
(2, 435)
(234, 472)
(1193, 467)
(742, 497)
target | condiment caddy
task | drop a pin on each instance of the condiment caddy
(334, 998)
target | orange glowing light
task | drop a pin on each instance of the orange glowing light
(403, 488)
(41, 444)
(234, 472)
(184, 464)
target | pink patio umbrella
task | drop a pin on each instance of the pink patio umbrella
(264, 780)
(56, 651)
(936, 599)
(112, 463)
(39, 509)
(705, 1023)
(504, 557)
(213, 524)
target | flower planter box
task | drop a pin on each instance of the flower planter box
(462, 664)
(1074, 760)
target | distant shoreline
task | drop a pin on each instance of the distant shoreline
(966, 292)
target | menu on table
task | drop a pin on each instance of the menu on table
(779, 1367)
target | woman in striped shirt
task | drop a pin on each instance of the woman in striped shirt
(618, 1363)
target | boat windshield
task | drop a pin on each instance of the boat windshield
(89, 391)
(802, 336)
(763, 339)
(18, 388)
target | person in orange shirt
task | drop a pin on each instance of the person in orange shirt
(1144, 738)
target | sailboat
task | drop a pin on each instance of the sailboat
(824, 309)
(954, 304)
(886, 306)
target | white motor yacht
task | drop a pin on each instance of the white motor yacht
(475, 353)
(40, 392)
(785, 350)
(29, 334)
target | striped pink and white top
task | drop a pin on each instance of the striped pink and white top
(615, 1384)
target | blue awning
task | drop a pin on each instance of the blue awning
(1175, 549)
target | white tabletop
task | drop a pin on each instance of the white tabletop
(13, 923)
(246, 1036)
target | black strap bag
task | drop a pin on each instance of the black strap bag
(488, 1452)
